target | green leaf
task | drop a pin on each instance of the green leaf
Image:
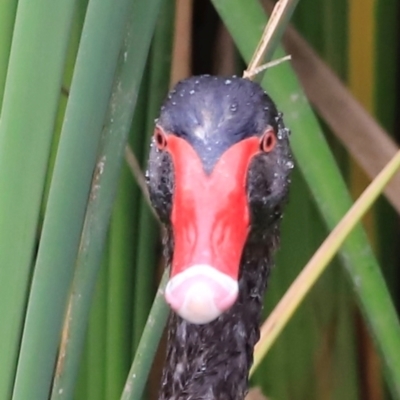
(31, 95)
(148, 344)
(119, 117)
(7, 18)
(75, 164)
(148, 239)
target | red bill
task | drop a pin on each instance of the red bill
(210, 221)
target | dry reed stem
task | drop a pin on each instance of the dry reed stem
(137, 173)
(224, 53)
(263, 67)
(261, 49)
(182, 47)
(255, 394)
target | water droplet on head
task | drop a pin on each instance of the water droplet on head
(287, 131)
(233, 107)
(196, 82)
(289, 164)
(265, 199)
(174, 103)
(228, 82)
(192, 91)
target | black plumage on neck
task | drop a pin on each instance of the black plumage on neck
(212, 361)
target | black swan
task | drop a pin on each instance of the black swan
(218, 177)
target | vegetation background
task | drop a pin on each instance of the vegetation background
(80, 78)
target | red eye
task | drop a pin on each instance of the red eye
(268, 140)
(160, 138)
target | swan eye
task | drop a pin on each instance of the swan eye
(160, 138)
(268, 140)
